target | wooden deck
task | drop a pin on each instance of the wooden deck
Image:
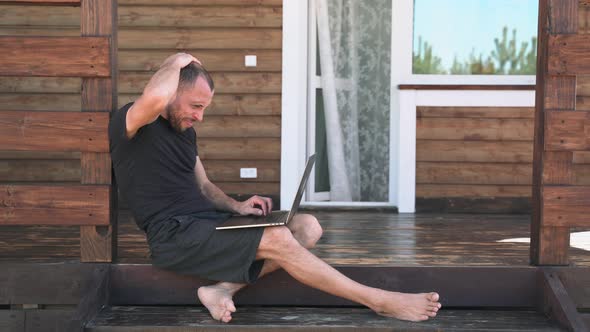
(350, 238)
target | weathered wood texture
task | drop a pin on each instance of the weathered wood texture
(99, 18)
(387, 239)
(54, 205)
(53, 131)
(55, 56)
(243, 122)
(560, 128)
(275, 319)
(557, 304)
(42, 2)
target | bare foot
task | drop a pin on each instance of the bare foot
(219, 302)
(412, 307)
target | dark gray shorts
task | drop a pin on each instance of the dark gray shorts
(190, 245)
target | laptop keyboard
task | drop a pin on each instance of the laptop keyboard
(277, 216)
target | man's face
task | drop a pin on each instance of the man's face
(189, 105)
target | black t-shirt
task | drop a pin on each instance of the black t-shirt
(155, 170)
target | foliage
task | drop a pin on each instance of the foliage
(506, 58)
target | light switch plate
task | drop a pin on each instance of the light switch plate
(248, 173)
(250, 60)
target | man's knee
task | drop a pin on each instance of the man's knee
(310, 229)
(276, 240)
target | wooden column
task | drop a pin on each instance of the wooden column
(99, 18)
(559, 131)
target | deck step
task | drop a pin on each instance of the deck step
(185, 319)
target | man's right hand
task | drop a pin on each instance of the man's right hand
(255, 205)
(158, 93)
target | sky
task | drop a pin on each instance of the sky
(455, 27)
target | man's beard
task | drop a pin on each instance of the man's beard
(174, 120)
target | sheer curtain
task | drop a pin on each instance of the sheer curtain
(354, 39)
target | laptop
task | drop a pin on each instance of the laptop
(275, 218)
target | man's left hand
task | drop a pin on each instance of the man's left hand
(256, 205)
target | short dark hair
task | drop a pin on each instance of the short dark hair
(190, 74)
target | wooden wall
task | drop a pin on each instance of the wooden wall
(241, 128)
(481, 153)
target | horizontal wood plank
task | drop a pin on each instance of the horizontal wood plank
(54, 131)
(134, 82)
(42, 2)
(40, 85)
(35, 15)
(260, 188)
(54, 205)
(239, 126)
(583, 17)
(567, 130)
(55, 56)
(473, 173)
(40, 102)
(200, 17)
(181, 39)
(581, 157)
(232, 104)
(566, 206)
(474, 151)
(229, 170)
(457, 190)
(38, 31)
(474, 129)
(39, 170)
(204, 2)
(38, 155)
(475, 112)
(240, 148)
(568, 54)
(213, 60)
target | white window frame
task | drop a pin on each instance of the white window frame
(402, 179)
(403, 14)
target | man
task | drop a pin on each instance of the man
(154, 153)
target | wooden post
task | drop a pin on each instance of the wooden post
(553, 216)
(99, 18)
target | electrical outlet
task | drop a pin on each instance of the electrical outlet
(250, 60)
(248, 173)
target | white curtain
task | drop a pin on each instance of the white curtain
(354, 51)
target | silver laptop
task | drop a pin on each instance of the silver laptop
(275, 218)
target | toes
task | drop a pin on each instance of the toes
(422, 317)
(431, 314)
(229, 305)
(433, 297)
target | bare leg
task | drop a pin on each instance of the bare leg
(279, 245)
(218, 298)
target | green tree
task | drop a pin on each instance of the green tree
(425, 62)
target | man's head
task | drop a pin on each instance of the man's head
(193, 96)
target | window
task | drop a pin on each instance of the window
(474, 37)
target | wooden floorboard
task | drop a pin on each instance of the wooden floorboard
(350, 238)
(123, 319)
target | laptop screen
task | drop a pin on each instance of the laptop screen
(299, 195)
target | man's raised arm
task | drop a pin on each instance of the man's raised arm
(156, 95)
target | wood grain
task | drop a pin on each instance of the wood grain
(55, 56)
(15, 170)
(473, 173)
(240, 148)
(567, 130)
(566, 206)
(560, 92)
(474, 129)
(568, 54)
(42, 2)
(241, 3)
(206, 38)
(200, 17)
(474, 151)
(558, 168)
(16, 85)
(54, 131)
(54, 205)
(475, 112)
(40, 102)
(469, 190)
